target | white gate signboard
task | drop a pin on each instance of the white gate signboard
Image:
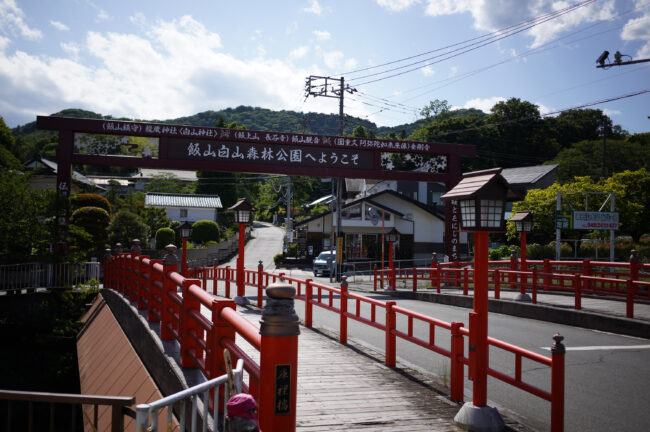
(588, 220)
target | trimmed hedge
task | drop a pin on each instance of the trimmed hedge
(204, 231)
(165, 236)
(89, 200)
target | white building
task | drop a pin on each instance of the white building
(182, 207)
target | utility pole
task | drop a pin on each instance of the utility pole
(618, 60)
(604, 146)
(324, 86)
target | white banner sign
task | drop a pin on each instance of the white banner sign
(585, 220)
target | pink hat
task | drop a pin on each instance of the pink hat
(242, 405)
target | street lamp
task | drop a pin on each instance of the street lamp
(185, 229)
(482, 197)
(523, 224)
(243, 211)
(391, 237)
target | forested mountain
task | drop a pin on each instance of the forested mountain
(513, 134)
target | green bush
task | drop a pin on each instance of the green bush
(94, 220)
(89, 200)
(164, 236)
(204, 231)
(504, 252)
(127, 226)
(536, 251)
(277, 259)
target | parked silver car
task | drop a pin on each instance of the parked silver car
(324, 263)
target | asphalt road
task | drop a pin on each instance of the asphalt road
(606, 376)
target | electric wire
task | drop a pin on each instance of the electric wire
(457, 52)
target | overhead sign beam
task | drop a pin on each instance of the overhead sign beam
(219, 149)
(170, 146)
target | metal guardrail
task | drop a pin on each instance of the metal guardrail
(118, 406)
(147, 414)
(31, 276)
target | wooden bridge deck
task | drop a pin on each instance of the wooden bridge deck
(340, 388)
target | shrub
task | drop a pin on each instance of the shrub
(94, 220)
(127, 226)
(89, 200)
(204, 231)
(536, 251)
(164, 236)
(277, 259)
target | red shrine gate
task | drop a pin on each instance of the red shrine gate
(168, 146)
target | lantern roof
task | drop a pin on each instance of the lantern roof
(242, 204)
(521, 216)
(484, 183)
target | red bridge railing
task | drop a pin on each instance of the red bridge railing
(204, 325)
(397, 322)
(609, 279)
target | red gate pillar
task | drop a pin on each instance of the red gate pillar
(279, 328)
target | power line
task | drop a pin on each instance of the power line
(484, 36)
(469, 47)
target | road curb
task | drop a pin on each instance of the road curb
(555, 314)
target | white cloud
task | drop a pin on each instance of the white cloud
(102, 15)
(12, 20)
(484, 104)
(497, 14)
(611, 113)
(427, 70)
(396, 5)
(322, 35)
(314, 7)
(333, 59)
(4, 43)
(175, 68)
(72, 49)
(298, 53)
(59, 25)
(638, 29)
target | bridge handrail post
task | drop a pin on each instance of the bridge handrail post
(497, 283)
(438, 277)
(279, 328)
(415, 279)
(576, 288)
(187, 324)
(456, 369)
(465, 281)
(343, 322)
(586, 271)
(144, 296)
(154, 305)
(390, 336)
(547, 274)
(513, 266)
(170, 265)
(533, 286)
(309, 300)
(227, 282)
(558, 352)
(260, 284)
(374, 279)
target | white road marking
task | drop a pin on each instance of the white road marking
(604, 348)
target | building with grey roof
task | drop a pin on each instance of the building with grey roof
(184, 207)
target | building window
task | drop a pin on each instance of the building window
(353, 212)
(378, 211)
(183, 213)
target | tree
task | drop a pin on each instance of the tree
(155, 218)
(632, 190)
(26, 225)
(436, 108)
(632, 203)
(585, 158)
(204, 231)
(78, 201)
(127, 226)
(94, 220)
(7, 147)
(164, 236)
(168, 183)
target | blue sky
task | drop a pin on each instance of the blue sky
(166, 59)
